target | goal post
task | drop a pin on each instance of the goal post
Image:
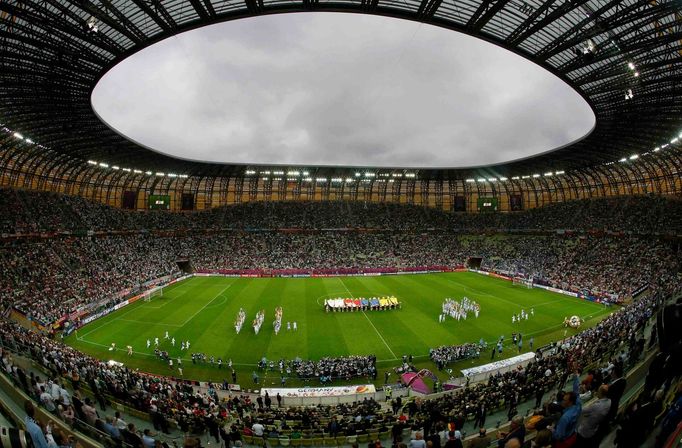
(520, 281)
(152, 293)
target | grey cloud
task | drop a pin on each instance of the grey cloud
(338, 89)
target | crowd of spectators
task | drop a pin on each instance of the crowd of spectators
(51, 277)
(27, 211)
(342, 367)
(446, 354)
(196, 410)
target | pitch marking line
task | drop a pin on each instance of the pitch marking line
(154, 356)
(166, 302)
(369, 320)
(148, 323)
(207, 304)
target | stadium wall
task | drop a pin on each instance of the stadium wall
(47, 170)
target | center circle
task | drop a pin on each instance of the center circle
(338, 89)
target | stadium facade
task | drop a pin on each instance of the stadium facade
(624, 58)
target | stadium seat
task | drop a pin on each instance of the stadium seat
(284, 441)
(295, 442)
(351, 439)
(273, 441)
(341, 440)
(363, 438)
(317, 441)
(247, 439)
(330, 441)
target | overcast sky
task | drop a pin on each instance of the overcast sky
(338, 89)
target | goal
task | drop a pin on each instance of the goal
(520, 281)
(147, 296)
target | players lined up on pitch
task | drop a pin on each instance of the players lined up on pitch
(361, 304)
(458, 310)
(260, 318)
(522, 315)
(184, 345)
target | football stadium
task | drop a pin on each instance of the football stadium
(377, 223)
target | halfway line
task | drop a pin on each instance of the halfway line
(370, 321)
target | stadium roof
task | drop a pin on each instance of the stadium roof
(624, 57)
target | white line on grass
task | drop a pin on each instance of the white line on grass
(207, 304)
(370, 321)
(154, 356)
(106, 323)
(144, 322)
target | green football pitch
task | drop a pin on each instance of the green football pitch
(202, 310)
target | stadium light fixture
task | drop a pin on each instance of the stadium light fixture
(503, 179)
(148, 173)
(631, 65)
(636, 74)
(656, 149)
(265, 173)
(307, 179)
(184, 176)
(391, 180)
(349, 179)
(634, 157)
(559, 172)
(293, 173)
(265, 178)
(623, 160)
(675, 140)
(115, 167)
(471, 180)
(250, 172)
(159, 173)
(370, 174)
(92, 162)
(525, 177)
(18, 135)
(321, 179)
(127, 170)
(664, 146)
(535, 176)
(137, 171)
(172, 175)
(492, 179)
(103, 165)
(410, 175)
(278, 173)
(91, 25)
(29, 141)
(481, 179)
(515, 177)
(548, 174)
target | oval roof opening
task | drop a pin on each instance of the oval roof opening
(338, 89)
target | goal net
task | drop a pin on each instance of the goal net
(152, 293)
(520, 281)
